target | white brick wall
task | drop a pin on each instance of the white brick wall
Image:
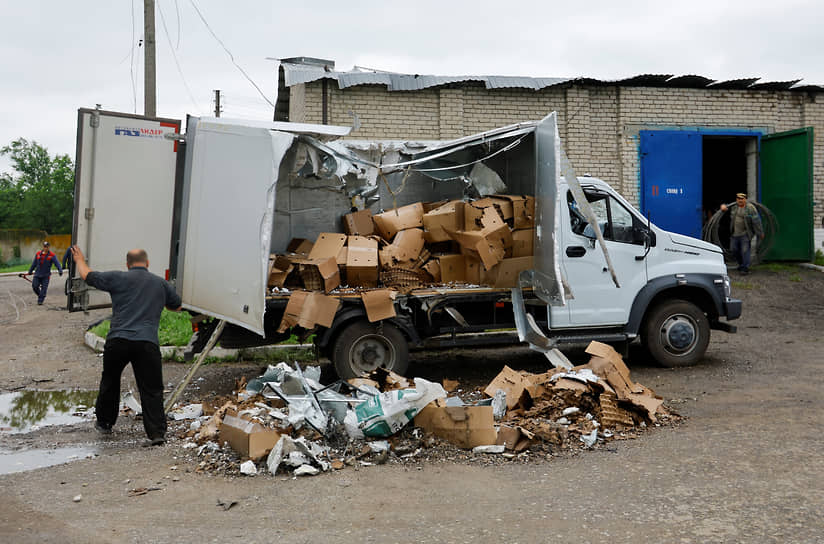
(599, 125)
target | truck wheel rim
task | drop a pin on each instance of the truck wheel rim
(678, 334)
(371, 352)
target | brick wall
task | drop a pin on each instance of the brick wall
(599, 125)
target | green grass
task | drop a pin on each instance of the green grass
(795, 277)
(819, 258)
(175, 328)
(776, 267)
(24, 267)
(742, 285)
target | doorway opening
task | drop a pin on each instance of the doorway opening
(729, 166)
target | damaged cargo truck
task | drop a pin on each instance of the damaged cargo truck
(379, 247)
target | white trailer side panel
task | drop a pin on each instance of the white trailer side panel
(124, 191)
(226, 223)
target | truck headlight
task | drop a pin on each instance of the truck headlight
(727, 286)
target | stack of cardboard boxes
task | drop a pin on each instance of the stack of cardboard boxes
(486, 242)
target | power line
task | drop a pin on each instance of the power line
(131, 63)
(174, 56)
(177, 12)
(242, 71)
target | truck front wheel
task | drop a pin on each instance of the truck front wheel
(676, 333)
(362, 347)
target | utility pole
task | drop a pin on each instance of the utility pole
(149, 65)
(217, 102)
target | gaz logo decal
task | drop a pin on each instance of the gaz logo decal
(138, 132)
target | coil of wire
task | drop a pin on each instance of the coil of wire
(717, 231)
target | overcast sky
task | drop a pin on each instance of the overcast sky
(58, 56)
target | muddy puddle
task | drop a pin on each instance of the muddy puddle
(27, 411)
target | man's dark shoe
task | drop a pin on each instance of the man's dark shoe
(745, 272)
(159, 441)
(39, 302)
(102, 428)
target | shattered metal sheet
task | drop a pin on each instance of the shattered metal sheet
(734, 84)
(689, 82)
(774, 85)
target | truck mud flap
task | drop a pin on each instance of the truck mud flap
(529, 332)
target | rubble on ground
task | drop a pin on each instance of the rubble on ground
(286, 423)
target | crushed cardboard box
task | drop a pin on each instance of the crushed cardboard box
(379, 304)
(248, 438)
(359, 223)
(307, 309)
(465, 426)
(390, 222)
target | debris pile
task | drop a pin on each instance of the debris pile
(286, 422)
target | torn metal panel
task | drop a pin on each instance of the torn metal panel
(546, 279)
(586, 210)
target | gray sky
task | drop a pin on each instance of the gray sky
(58, 56)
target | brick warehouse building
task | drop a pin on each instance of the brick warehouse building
(677, 147)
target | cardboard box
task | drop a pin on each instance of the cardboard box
(472, 270)
(362, 262)
(608, 364)
(307, 309)
(358, 223)
(478, 244)
(464, 426)
(433, 267)
(453, 268)
(327, 245)
(511, 382)
(522, 242)
(449, 215)
(508, 271)
(319, 274)
(279, 269)
(248, 438)
(393, 221)
(379, 304)
(404, 250)
(301, 246)
(429, 206)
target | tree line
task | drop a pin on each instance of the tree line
(39, 192)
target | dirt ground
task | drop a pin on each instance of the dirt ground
(745, 465)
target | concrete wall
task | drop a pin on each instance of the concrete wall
(30, 242)
(599, 124)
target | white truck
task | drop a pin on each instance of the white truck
(210, 206)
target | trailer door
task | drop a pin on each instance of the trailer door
(226, 219)
(123, 194)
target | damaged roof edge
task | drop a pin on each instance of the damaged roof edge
(320, 131)
(296, 73)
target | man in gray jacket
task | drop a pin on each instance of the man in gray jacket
(138, 298)
(744, 224)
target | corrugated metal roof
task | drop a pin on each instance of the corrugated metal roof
(295, 73)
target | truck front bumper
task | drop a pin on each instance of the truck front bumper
(733, 307)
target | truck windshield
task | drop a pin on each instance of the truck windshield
(615, 221)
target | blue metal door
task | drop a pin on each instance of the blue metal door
(671, 180)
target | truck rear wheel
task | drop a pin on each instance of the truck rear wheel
(362, 347)
(676, 333)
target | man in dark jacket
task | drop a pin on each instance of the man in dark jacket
(744, 224)
(138, 298)
(41, 266)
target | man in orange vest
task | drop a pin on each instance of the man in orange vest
(41, 266)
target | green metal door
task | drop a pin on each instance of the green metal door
(787, 190)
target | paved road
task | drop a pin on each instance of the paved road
(745, 466)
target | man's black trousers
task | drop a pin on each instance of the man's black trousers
(148, 372)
